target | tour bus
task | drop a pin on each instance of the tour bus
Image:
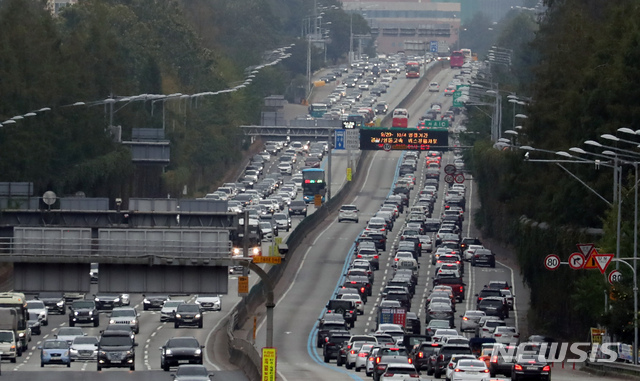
(456, 60)
(412, 69)
(317, 110)
(400, 118)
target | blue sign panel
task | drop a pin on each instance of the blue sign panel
(339, 142)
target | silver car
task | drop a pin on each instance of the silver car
(84, 348)
(352, 354)
(209, 302)
(348, 213)
(470, 320)
(125, 315)
(167, 312)
(363, 356)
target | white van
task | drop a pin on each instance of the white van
(8, 345)
(408, 263)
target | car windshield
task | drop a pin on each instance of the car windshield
(33, 304)
(6, 337)
(193, 370)
(85, 340)
(83, 304)
(172, 303)
(55, 344)
(348, 207)
(189, 308)
(472, 363)
(70, 331)
(118, 313)
(183, 342)
(115, 341)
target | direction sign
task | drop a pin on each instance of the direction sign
(449, 169)
(352, 139)
(243, 285)
(615, 276)
(459, 178)
(449, 179)
(433, 124)
(551, 262)
(339, 139)
(457, 94)
(269, 361)
(602, 260)
(576, 261)
(433, 46)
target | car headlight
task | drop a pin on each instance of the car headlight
(198, 352)
(116, 300)
(111, 321)
(103, 353)
(133, 321)
(167, 352)
(21, 334)
(73, 350)
(178, 316)
(145, 301)
(198, 316)
(75, 313)
(60, 303)
(90, 313)
(97, 299)
(66, 354)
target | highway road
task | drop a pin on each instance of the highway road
(300, 303)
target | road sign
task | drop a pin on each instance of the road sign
(349, 174)
(269, 361)
(459, 178)
(352, 139)
(276, 260)
(433, 46)
(433, 124)
(551, 262)
(602, 260)
(449, 169)
(576, 261)
(449, 179)
(317, 200)
(457, 94)
(585, 248)
(243, 285)
(409, 139)
(590, 263)
(615, 276)
(339, 139)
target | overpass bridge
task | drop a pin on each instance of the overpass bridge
(155, 245)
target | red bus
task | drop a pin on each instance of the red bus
(400, 118)
(412, 69)
(456, 60)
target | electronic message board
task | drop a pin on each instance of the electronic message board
(410, 139)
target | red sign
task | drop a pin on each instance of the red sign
(576, 261)
(602, 260)
(551, 262)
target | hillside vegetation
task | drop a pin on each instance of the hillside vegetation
(579, 63)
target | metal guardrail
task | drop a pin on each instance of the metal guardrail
(603, 369)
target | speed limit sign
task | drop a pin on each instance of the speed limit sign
(551, 262)
(449, 179)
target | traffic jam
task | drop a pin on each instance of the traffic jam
(418, 298)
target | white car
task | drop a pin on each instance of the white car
(168, 309)
(506, 335)
(454, 362)
(357, 300)
(125, 315)
(487, 328)
(434, 87)
(84, 348)
(267, 231)
(285, 168)
(470, 370)
(363, 356)
(209, 302)
(400, 372)
(349, 213)
(69, 334)
(352, 354)
(468, 254)
(395, 330)
(37, 307)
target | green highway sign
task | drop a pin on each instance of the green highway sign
(457, 94)
(433, 124)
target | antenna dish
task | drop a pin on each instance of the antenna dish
(49, 198)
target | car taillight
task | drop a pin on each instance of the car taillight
(370, 359)
(375, 256)
(359, 255)
(388, 374)
(410, 361)
(352, 352)
(378, 360)
(421, 355)
(441, 358)
(450, 365)
(326, 339)
(362, 289)
(458, 370)
(362, 355)
(546, 368)
(497, 334)
(465, 318)
(486, 371)
(494, 359)
(517, 367)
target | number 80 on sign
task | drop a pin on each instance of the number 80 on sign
(551, 262)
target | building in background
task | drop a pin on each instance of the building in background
(56, 5)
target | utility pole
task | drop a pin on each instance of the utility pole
(351, 40)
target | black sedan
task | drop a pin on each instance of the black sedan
(529, 367)
(180, 350)
(192, 373)
(188, 314)
(154, 301)
(107, 302)
(298, 208)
